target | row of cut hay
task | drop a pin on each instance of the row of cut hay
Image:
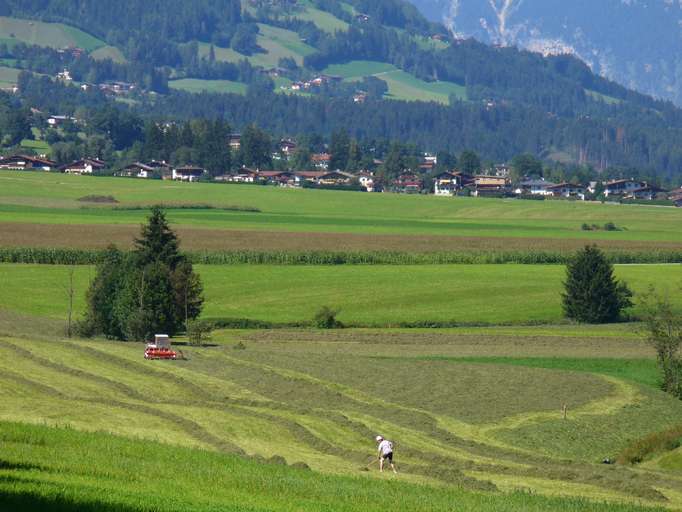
(65, 256)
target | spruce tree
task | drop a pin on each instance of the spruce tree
(152, 290)
(157, 242)
(592, 293)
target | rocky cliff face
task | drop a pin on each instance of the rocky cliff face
(637, 43)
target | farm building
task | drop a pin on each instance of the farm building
(83, 166)
(23, 162)
(188, 173)
(622, 187)
(568, 190)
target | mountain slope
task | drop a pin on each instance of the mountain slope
(615, 37)
(262, 53)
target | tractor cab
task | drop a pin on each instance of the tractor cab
(160, 348)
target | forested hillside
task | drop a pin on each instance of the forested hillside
(248, 57)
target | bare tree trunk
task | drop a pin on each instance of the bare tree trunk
(70, 292)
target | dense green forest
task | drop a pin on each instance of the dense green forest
(515, 101)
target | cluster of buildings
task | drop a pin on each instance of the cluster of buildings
(451, 183)
(318, 81)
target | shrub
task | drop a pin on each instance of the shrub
(665, 335)
(586, 227)
(325, 318)
(659, 442)
(199, 332)
(592, 293)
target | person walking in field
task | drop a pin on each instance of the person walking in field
(385, 449)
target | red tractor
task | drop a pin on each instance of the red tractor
(160, 349)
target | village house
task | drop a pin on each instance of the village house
(280, 178)
(23, 162)
(408, 184)
(534, 187)
(234, 141)
(136, 170)
(647, 193)
(622, 187)
(83, 166)
(243, 175)
(335, 178)
(60, 120)
(321, 160)
(188, 173)
(501, 170)
(489, 186)
(64, 76)
(116, 88)
(359, 97)
(287, 147)
(568, 190)
(447, 184)
(366, 180)
(676, 197)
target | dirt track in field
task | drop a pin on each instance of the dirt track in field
(85, 236)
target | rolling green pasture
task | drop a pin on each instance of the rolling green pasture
(8, 76)
(375, 295)
(53, 35)
(325, 21)
(198, 85)
(401, 85)
(302, 399)
(108, 52)
(28, 197)
(277, 42)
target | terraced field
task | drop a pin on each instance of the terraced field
(319, 400)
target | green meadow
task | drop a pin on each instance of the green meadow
(278, 43)
(401, 85)
(53, 35)
(365, 295)
(199, 85)
(53, 199)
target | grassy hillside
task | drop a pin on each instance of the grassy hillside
(53, 35)
(202, 481)
(319, 400)
(366, 295)
(197, 85)
(401, 85)
(278, 43)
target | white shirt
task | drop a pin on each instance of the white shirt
(385, 447)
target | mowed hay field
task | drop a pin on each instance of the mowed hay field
(303, 397)
(38, 209)
(365, 295)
